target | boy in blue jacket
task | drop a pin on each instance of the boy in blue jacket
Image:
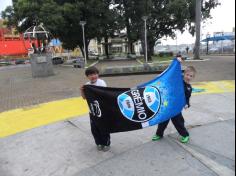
(178, 120)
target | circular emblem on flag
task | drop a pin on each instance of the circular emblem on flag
(126, 105)
(140, 105)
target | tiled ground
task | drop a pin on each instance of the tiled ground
(19, 89)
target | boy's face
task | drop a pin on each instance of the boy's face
(188, 76)
(93, 77)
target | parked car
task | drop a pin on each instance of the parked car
(57, 60)
(4, 63)
(214, 50)
(78, 63)
(27, 61)
(19, 61)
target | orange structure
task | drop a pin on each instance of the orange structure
(13, 45)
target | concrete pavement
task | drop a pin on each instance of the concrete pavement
(168, 158)
(67, 148)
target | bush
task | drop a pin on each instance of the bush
(166, 54)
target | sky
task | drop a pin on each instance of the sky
(4, 4)
(223, 21)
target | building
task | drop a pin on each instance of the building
(116, 46)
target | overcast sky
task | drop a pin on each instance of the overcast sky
(4, 4)
(223, 20)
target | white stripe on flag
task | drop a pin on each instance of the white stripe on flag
(145, 124)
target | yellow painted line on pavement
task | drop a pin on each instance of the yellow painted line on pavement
(19, 120)
(215, 87)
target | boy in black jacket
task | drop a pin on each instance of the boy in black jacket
(178, 120)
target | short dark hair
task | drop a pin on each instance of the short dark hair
(91, 70)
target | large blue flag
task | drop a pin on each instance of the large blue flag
(125, 109)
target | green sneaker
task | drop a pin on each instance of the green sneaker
(156, 138)
(184, 139)
(106, 148)
(99, 147)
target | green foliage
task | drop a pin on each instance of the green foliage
(8, 14)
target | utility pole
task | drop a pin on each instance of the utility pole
(145, 30)
(198, 29)
(83, 23)
(207, 37)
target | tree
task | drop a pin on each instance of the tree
(8, 13)
(198, 29)
(202, 10)
(108, 22)
(127, 11)
(165, 17)
(62, 17)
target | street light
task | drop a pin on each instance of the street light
(208, 36)
(145, 23)
(222, 48)
(83, 23)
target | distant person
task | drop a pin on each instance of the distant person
(178, 120)
(194, 50)
(44, 46)
(187, 49)
(34, 48)
(102, 140)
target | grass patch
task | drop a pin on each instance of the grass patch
(156, 59)
(90, 62)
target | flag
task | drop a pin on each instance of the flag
(125, 109)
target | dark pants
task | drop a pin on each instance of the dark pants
(178, 122)
(100, 138)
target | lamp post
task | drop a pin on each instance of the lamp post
(222, 48)
(83, 23)
(208, 36)
(177, 44)
(145, 24)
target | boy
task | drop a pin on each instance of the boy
(178, 120)
(102, 140)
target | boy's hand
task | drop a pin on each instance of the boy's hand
(82, 88)
(186, 107)
(179, 59)
(82, 92)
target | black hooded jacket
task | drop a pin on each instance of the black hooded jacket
(188, 91)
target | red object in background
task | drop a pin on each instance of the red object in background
(13, 45)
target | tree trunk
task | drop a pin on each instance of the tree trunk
(151, 48)
(106, 47)
(198, 30)
(127, 24)
(81, 46)
(131, 48)
(128, 37)
(87, 44)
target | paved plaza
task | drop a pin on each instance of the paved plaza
(18, 88)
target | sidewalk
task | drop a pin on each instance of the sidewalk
(204, 156)
(67, 148)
